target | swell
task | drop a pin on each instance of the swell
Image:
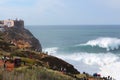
(108, 43)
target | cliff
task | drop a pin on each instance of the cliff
(47, 61)
(19, 42)
(21, 38)
(43, 66)
(60, 65)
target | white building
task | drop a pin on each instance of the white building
(9, 23)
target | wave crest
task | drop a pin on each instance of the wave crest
(102, 63)
(105, 42)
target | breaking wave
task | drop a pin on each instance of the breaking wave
(104, 42)
(107, 64)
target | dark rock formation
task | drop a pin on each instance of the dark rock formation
(58, 64)
(22, 38)
(19, 24)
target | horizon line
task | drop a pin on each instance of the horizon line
(80, 25)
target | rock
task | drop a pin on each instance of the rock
(22, 38)
(59, 64)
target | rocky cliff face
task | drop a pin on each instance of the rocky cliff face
(21, 38)
(58, 64)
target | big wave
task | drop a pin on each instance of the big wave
(104, 42)
(107, 64)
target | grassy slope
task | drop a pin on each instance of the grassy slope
(31, 72)
(35, 73)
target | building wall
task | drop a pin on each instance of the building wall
(9, 23)
(12, 23)
(19, 24)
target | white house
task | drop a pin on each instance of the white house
(9, 23)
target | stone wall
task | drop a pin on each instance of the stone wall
(19, 24)
(12, 23)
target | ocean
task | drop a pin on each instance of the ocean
(90, 48)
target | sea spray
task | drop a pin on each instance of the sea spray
(104, 42)
(107, 64)
(112, 69)
(103, 57)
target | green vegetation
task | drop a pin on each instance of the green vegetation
(37, 66)
(34, 73)
(29, 71)
(28, 61)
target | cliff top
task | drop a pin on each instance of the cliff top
(19, 42)
(12, 23)
(20, 37)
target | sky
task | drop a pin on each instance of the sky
(62, 12)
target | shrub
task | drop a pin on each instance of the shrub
(34, 74)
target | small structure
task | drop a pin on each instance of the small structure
(12, 23)
(9, 23)
(17, 62)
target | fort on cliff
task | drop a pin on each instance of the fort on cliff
(14, 31)
(12, 23)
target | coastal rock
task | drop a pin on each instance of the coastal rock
(58, 64)
(21, 38)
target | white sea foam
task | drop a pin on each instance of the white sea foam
(52, 50)
(105, 42)
(107, 64)
(100, 59)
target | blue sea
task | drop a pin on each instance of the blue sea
(90, 48)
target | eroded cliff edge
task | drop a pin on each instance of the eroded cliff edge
(18, 41)
(21, 38)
